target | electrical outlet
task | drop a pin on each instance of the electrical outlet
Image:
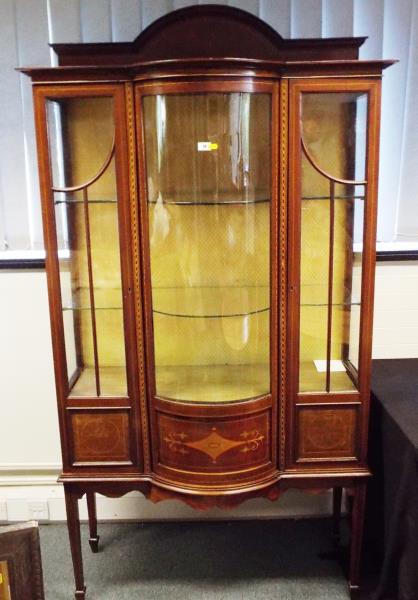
(38, 510)
(3, 511)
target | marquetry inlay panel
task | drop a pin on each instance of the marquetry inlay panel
(214, 445)
(326, 433)
(101, 437)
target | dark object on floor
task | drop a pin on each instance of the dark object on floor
(392, 515)
(20, 563)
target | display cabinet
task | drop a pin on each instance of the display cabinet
(209, 203)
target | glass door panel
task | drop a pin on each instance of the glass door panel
(334, 129)
(208, 183)
(82, 148)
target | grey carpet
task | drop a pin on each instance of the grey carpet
(251, 560)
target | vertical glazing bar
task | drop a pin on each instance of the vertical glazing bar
(330, 278)
(91, 289)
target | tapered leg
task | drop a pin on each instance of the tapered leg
(73, 522)
(91, 508)
(357, 521)
(336, 513)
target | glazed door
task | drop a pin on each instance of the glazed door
(333, 209)
(83, 158)
(208, 215)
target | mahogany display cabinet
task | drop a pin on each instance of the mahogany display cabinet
(209, 205)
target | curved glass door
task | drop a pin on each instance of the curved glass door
(208, 196)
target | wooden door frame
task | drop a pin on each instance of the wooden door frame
(211, 85)
(66, 404)
(371, 86)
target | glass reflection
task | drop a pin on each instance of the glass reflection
(334, 130)
(208, 178)
(81, 138)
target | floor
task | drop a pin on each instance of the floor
(251, 560)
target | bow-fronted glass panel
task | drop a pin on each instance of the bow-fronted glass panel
(208, 198)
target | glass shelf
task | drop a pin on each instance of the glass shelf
(317, 295)
(334, 304)
(211, 203)
(209, 199)
(214, 198)
(104, 299)
(112, 381)
(199, 302)
(192, 383)
(212, 383)
(81, 201)
(311, 380)
(336, 197)
(211, 302)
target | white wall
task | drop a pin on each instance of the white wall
(29, 426)
(395, 332)
(29, 441)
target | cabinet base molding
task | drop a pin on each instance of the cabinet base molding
(201, 499)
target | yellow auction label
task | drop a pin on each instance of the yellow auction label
(206, 146)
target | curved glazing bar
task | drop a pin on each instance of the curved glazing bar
(324, 173)
(89, 182)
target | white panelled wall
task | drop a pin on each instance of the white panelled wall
(29, 441)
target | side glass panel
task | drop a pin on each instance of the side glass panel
(334, 133)
(81, 139)
(208, 175)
